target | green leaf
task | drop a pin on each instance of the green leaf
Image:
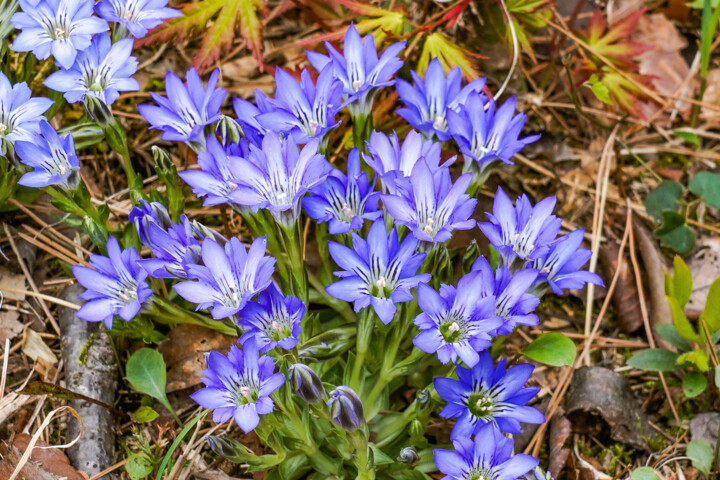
(693, 384)
(145, 371)
(701, 454)
(448, 53)
(697, 357)
(553, 349)
(682, 324)
(600, 90)
(176, 443)
(671, 220)
(682, 239)
(669, 333)
(682, 281)
(711, 313)
(144, 415)
(666, 196)
(645, 473)
(138, 466)
(707, 186)
(717, 377)
(654, 360)
(690, 137)
(379, 457)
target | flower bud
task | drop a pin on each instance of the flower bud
(229, 130)
(95, 231)
(346, 408)
(163, 162)
(306, 383)
(144, 214)
(408, 456)
(99, 111)
(230, 449)
(416, 429)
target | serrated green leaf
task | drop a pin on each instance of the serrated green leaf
(665, 196)
(682, 281)
(711, 313)
(449, 54)
(682, 324)
(707, 186)
(645, 473)
(145, 370)
(693, 384)
(669, 333)
(654, 360)
(553, 349)
(144, 415)
(600, 90)
(701, 454)
(697, 357)
(138, 466)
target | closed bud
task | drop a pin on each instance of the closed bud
(99, 111)
(96, 232)
(423, 397)
(306, 383)
(230, 449)
(163, 162)
(346, 408)
(416, 429)
(229, 130)
(408, 456)
(144, 214)
(472, 252)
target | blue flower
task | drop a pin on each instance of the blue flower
(248, 112)
(392, 161)
(137, 16)
(378, 271)
(20, 115)
(303, 109)
(239, 386)
(58, 27)
(276, 176)
(187, 109)
(513, 302)
(560, 268)
(430, 205)
(144, 214)
(346, 408)
(360, 70)
(273, 320)
(102, 70)
(346, 201)
(456, 322)
(115, 286)
(215, 181)
(229, 278)
(173, 249)
(488, 394)
(523, 232)
(487, 136)
(52, 157)
(427, 104)
(488, 457)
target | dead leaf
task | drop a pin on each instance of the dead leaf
(560, 429)
(705, 268)
(705, 427)
(35, 348)
(625, 296)
(44, 463)
(12, 281)
(10, 326)
(183, 352)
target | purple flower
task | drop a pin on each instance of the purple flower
(58, 27)
(430, 205)
(229, 278)
(248, 112)
(239, 386)
(512, 301)
(487, 136)
(489, 456)
(427, 104)
(487, 394)
(360, 70)
(102, 70)
(20, 115)
(146, 213)
(346, 408)
(275, 176)
(392, 161)
(378, 271)
(345, 201)
(215, 181)
(457, 322)
(115, 286)
(560, 268)
(187, 109)
(303, 109)
(52, 157)
(137, 16)
(273, 320)
(523, 232)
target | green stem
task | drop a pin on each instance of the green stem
(358, 440)
(366, 321)
(294, 245)
(362, 127)
(168, 313)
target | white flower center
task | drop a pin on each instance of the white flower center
(3, 128)
(439, 123)
(313, 124)
(59, 33)
(275, 326)
(381, 282)
(357, 84)
(245, 391)
(454, 327)
(347, 211)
